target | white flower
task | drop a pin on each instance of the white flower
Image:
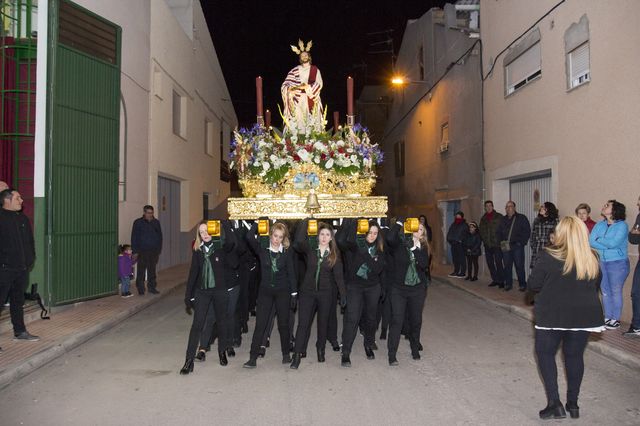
(266, 166)
(316, 159)
(256, 164)
(304, 155)
(320, 146)
(329, 163)
(349, 150)
(340, 143)
(354, 158)
(294, 138)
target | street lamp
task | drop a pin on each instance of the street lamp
(401, 81)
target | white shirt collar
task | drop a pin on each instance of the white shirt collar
(280, 249)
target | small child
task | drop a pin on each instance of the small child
(472, 245)
(125, 269)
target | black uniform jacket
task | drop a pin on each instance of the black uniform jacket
(355, 256)
(285, 279)
(399, 251)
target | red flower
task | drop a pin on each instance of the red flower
(309, 148)
(331, 154)
(341, 150)
(296, 158)
(323, 157)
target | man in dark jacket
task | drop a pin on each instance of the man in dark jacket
(634, 238)
(17, 255)
(146, 243)
(515, 229)
(493, 255)
(455, 236)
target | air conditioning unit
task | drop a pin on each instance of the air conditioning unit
(444, 147)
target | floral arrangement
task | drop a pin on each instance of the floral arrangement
(269, 155)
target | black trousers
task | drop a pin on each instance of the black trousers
(457, 254)
(403, 299)
(472, 266)
(13, 284)
(384, 314)
(242, 308)
(308, 304)
(332, 325)
(573, 345)
(147, 262)
(268, 297)
(211, 327)
(360, 301)
(206, 300)
(493, 256)
(254, 283)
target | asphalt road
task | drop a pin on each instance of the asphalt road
(477, 368)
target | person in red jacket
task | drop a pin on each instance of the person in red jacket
(582, 211)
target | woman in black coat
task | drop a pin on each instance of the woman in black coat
(409, 282)
(323, 271)
(206, 288)
(364, 267)
(277, 287)
(566, 278)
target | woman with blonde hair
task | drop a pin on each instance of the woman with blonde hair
(566, 278)
(277, 287)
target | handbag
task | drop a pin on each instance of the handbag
(505, 245)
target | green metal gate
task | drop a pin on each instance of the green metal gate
(82, 153)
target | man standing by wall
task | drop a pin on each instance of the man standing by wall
(634, 238)
(513, 233)
(493, 255)
(146, 243)
(17, 255)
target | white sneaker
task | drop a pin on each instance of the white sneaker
(612, 324)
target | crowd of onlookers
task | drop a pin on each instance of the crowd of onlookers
(505, 237)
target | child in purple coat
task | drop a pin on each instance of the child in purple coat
(125, 269)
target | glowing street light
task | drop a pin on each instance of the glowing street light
(397, 81)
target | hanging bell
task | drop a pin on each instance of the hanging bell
(312, 203)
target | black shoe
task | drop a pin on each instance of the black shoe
(573, 409)
(320, 355)
(253, 313)
(237, 342)
(501, 286)
(494, 284)
(286, 359)
(369, 352)
(187, 367)
(467, 278)
(507, 288)
(374, 346)
(335, 346)
(420, 347)
(474, 279)
(295, 363)
(415, 355)
(554, 410)
(268, 343)
(262, 351)
(153, 291)
(231, 352)
(302, 354)
(223, 358)
(522, 288)
(393, 361)
(250, 364)
(244, 328)
(26, 336)
(346, 361)
(201, 356)
(383, 334)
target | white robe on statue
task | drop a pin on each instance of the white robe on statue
(302, 107)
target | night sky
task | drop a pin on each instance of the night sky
(252, 38)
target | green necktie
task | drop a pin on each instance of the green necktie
(321, 258)
(412, 278)
(274, 266)
(208, 278)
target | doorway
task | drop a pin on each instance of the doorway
(168, 213)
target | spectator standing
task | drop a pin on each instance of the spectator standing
(17, 255)
(493, 255)
(146, 242)
(472, 248)
(543, 225)
(125, 269)
(566, 278)
(513, 233)
(583, 211)
(634, 238)
(455, 236)
(609, 237)
(423, 220)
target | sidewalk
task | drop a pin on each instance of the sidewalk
(610, 343)
(74, 325)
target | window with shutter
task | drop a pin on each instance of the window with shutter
(578, 61)
(523, 69)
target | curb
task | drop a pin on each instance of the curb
(601, 348)
(34, 362)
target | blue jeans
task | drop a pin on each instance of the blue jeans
(635, 297)
(124, 281)
(613, 275)
(515, 256)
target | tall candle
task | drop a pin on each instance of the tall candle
(336, 120)
(259, 96)
(267, 118)
(349, 96)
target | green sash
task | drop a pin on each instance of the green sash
(208, 278)
(363, 271)
(274, 265)
(321, 259)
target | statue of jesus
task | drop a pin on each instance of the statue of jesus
(301, 94)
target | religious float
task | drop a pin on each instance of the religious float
(305, 170)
